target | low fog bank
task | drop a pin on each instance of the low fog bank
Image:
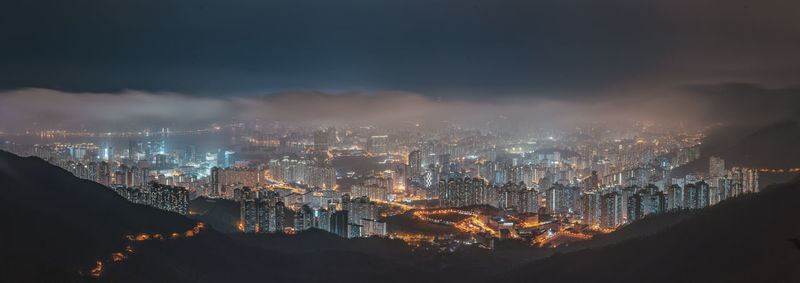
(698, 104)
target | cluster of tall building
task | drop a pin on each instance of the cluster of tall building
(134, 183)
(263, 211)
(222, 181)
(169, 198)
(476, 191)
(164, 197)
(503, 171)
(303, 171)
(650, 200)
(615, 205)
(638, 163)
(599, 204)
(362, 217)
(375, 188)
(260, 211)
(562, 200)
(135, 166)
(459, 192)
(101, 172)
(717, 187)
(322, 143)
(603, 209)
(66, 151)
(692, 196)
(131, 176)
(378, 145)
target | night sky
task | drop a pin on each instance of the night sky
(588, 52)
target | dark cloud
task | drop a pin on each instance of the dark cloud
(465, 49)
(185, 63)
(43, 108)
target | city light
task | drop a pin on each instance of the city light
(411, 141)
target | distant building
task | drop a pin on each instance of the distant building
(716, 167)
(592, 182)
(362, 217)
(248, 216)
(676, 197)
(372, 191)
(467, 191)
(415, 163)
(303, 171)
(562, 200)
(321, 145)
(339, 221)
(222, 178)
(169, 198)
(378, 145)
(611, 213)
(261, 214)
(745, 180)
(303, 218)
(636, 206)
(592, 208)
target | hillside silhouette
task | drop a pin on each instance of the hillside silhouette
(52, 216)
(221, 214)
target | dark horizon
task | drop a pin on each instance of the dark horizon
(453, 49)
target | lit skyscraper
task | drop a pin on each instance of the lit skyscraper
(378, 145)
(415, 163)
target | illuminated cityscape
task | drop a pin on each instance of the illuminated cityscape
(400, 141)
(525, 187)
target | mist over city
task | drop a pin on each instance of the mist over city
(396, 141)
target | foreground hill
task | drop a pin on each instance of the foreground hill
(48, 214)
